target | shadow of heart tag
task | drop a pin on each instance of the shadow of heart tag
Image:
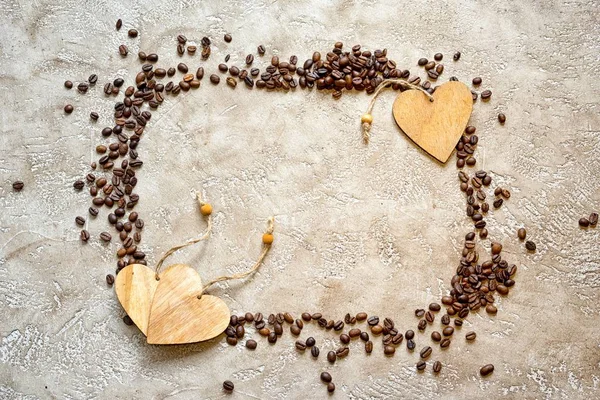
(435, 126)
(168, 311)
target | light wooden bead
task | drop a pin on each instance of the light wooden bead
(366, 118)
(206, 209)
(268, 238)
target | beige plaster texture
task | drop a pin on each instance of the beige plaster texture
(375, 228)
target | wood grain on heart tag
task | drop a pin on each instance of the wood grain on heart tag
(177, 316)
(435, 126)
(135, 286)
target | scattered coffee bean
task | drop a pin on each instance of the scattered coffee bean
(110, 280)
(593, 218)
(314, 351)
(456, 56)
(421, 365)
(119, 24)
(215, 79)
(123, 50)
(584, 222)
(501, 118)
(389, 350)
(84, 235)
(486, 94)
(330, 387)
(471, 336)
(228, 386)
(426, 352)
(331, 356)
(530, 245)
(68, 108)
(18, 186)
(227, 38)
(486, 370)
(326, 377)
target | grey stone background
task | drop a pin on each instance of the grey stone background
(373, 228)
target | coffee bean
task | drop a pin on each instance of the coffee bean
(445, 343)
(123, 50)
(448, 331)
(68, 84)
(80, 221)
(409, 334)
(501, 118)
(18, 186)
(227, 38)
(331, 356)
(110, 280)
(361, 316)
(486, 370)
(496, 248)
(584, 222)
(326, 377)
(373, 321)
(314, 351)
(429, 317)
(389, 350)
(486, 94)
(498, 203)
(295, 330)
(471, 336)
(127, 320)
(84, 235)
(425, 352)
(132, 33)
(435, 336)
(434, 307)
(272, 337)
(215, 79)
(231, 82)
(249, 59)
(94, 116)
(68, 108)
(458, 322)
(261, 50)
(251, 344)
(300, 345)
(410, 344)
(530, 245)
(339, 325)
(330, 387)
(83, 87)
(344, 338)
(593, 218)
(105, 236)
(491, 309)
(342, 351)
(421, 365)
(228, 386)
(456, 56)
(477, 81)
(419, 312)
(445, 319)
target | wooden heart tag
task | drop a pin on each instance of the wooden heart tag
(178, 316)
(435, 126)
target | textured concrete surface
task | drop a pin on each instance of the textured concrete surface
(375, 229)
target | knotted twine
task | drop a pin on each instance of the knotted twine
(366, 126)
(204, 236)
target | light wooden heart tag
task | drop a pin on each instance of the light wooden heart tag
(435, 126)
(434, 122)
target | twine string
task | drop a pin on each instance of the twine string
(204, 236)
(366, 126)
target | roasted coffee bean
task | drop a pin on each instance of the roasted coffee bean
(522, 233)
(123, 50)
(419, 312)
(272, 337)
(425, 352)
(83, 87)
(344, 338)
(486, 94)
(445, 343)
(215, 79)
(249, 59)
(361, 316)
(435, 336)
(491, 309)
(339, 325)
(445, 319)
(498, 203)
(593, 218)
(261, 50)
(331, 356)
(110, 279)
(373, 321)
(326, 377)
(127, 320)
(530, 245)
(105, 236)
(434, 307)
(84, 235)
(314, 351)
(471, 336)
(584, 222)
(300, 345)
(93, 211)
(486, 370)
(342, 351)
(410, 344)
(295, 330)
(456, 56)
(80, 221)
(376, 330)
(409, 334)
(231, 82)
(429, 317)
(458, 322)
(132, 33)
(448, 331)
(68, 84)
(422, 325)
(228, 386)
(477, 81)
(251, 344)
(389, 350)
(94, 116)
(68, 108)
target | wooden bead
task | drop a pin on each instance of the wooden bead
(366, 118)
(206, 209)
(267, 238)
